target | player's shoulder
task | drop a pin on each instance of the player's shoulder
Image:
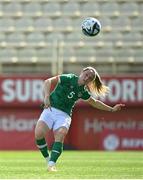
(68, 78)
(69, 75)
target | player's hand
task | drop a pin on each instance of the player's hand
(47, 103)
(118, 107)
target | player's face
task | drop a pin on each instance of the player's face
(86, 77)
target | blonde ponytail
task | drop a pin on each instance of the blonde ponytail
(96, 87)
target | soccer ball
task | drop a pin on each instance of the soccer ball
(91, 26)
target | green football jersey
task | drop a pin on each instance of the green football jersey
(67, 92)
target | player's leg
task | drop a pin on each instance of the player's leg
(57, 147)
(60, 129)
(43, 125)
(40, 134)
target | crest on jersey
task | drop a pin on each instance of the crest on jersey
(79, 94)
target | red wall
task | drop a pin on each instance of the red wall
(91, 128)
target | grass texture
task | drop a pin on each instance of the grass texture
(72, 165)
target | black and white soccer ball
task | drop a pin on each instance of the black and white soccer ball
(91, 26)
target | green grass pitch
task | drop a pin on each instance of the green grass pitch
(72, 165)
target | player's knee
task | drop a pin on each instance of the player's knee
(40, 130)
(60, 134)
(39, 134)
(63, 132)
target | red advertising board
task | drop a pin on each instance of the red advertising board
(88, 130)
(17, 129)
(91, 129)
(21, 91)
(121, 140)
(126, 89)
(89, 126)
(27, 91)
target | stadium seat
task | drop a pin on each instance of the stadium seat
(140, 7)
(24, 24)
(74, 37)
(2, 37)
(111, 36)
(12, 9)
(63, 25)
(35, 39)
(71, 9)
(51, 9)
(82, 1)
(106, 24)
(43, 24)
(32, 9)
(54, 37)
(68, 53)
(1, 10)
(26, 54)
(7, 25)
(7, 54)
(137, 24)
(122, 54)
(76, 24)
(45, 54)
(129, 9)
(15, 39)
(31, 29)
(122, 23)
(84, 53)
(132, 37)
(90, 8)
(138, 55)
(110, 9)
(103, 54)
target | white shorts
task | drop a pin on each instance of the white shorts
(55, 118)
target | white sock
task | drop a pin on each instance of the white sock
(51, 163)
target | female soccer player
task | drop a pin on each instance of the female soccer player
(58, 106)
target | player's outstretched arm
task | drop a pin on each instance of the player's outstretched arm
(48, 84)
(102, 106)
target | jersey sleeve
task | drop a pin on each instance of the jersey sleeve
(54, 82)
(86, 95)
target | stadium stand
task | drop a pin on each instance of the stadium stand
(34, 33)
(51, 9)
